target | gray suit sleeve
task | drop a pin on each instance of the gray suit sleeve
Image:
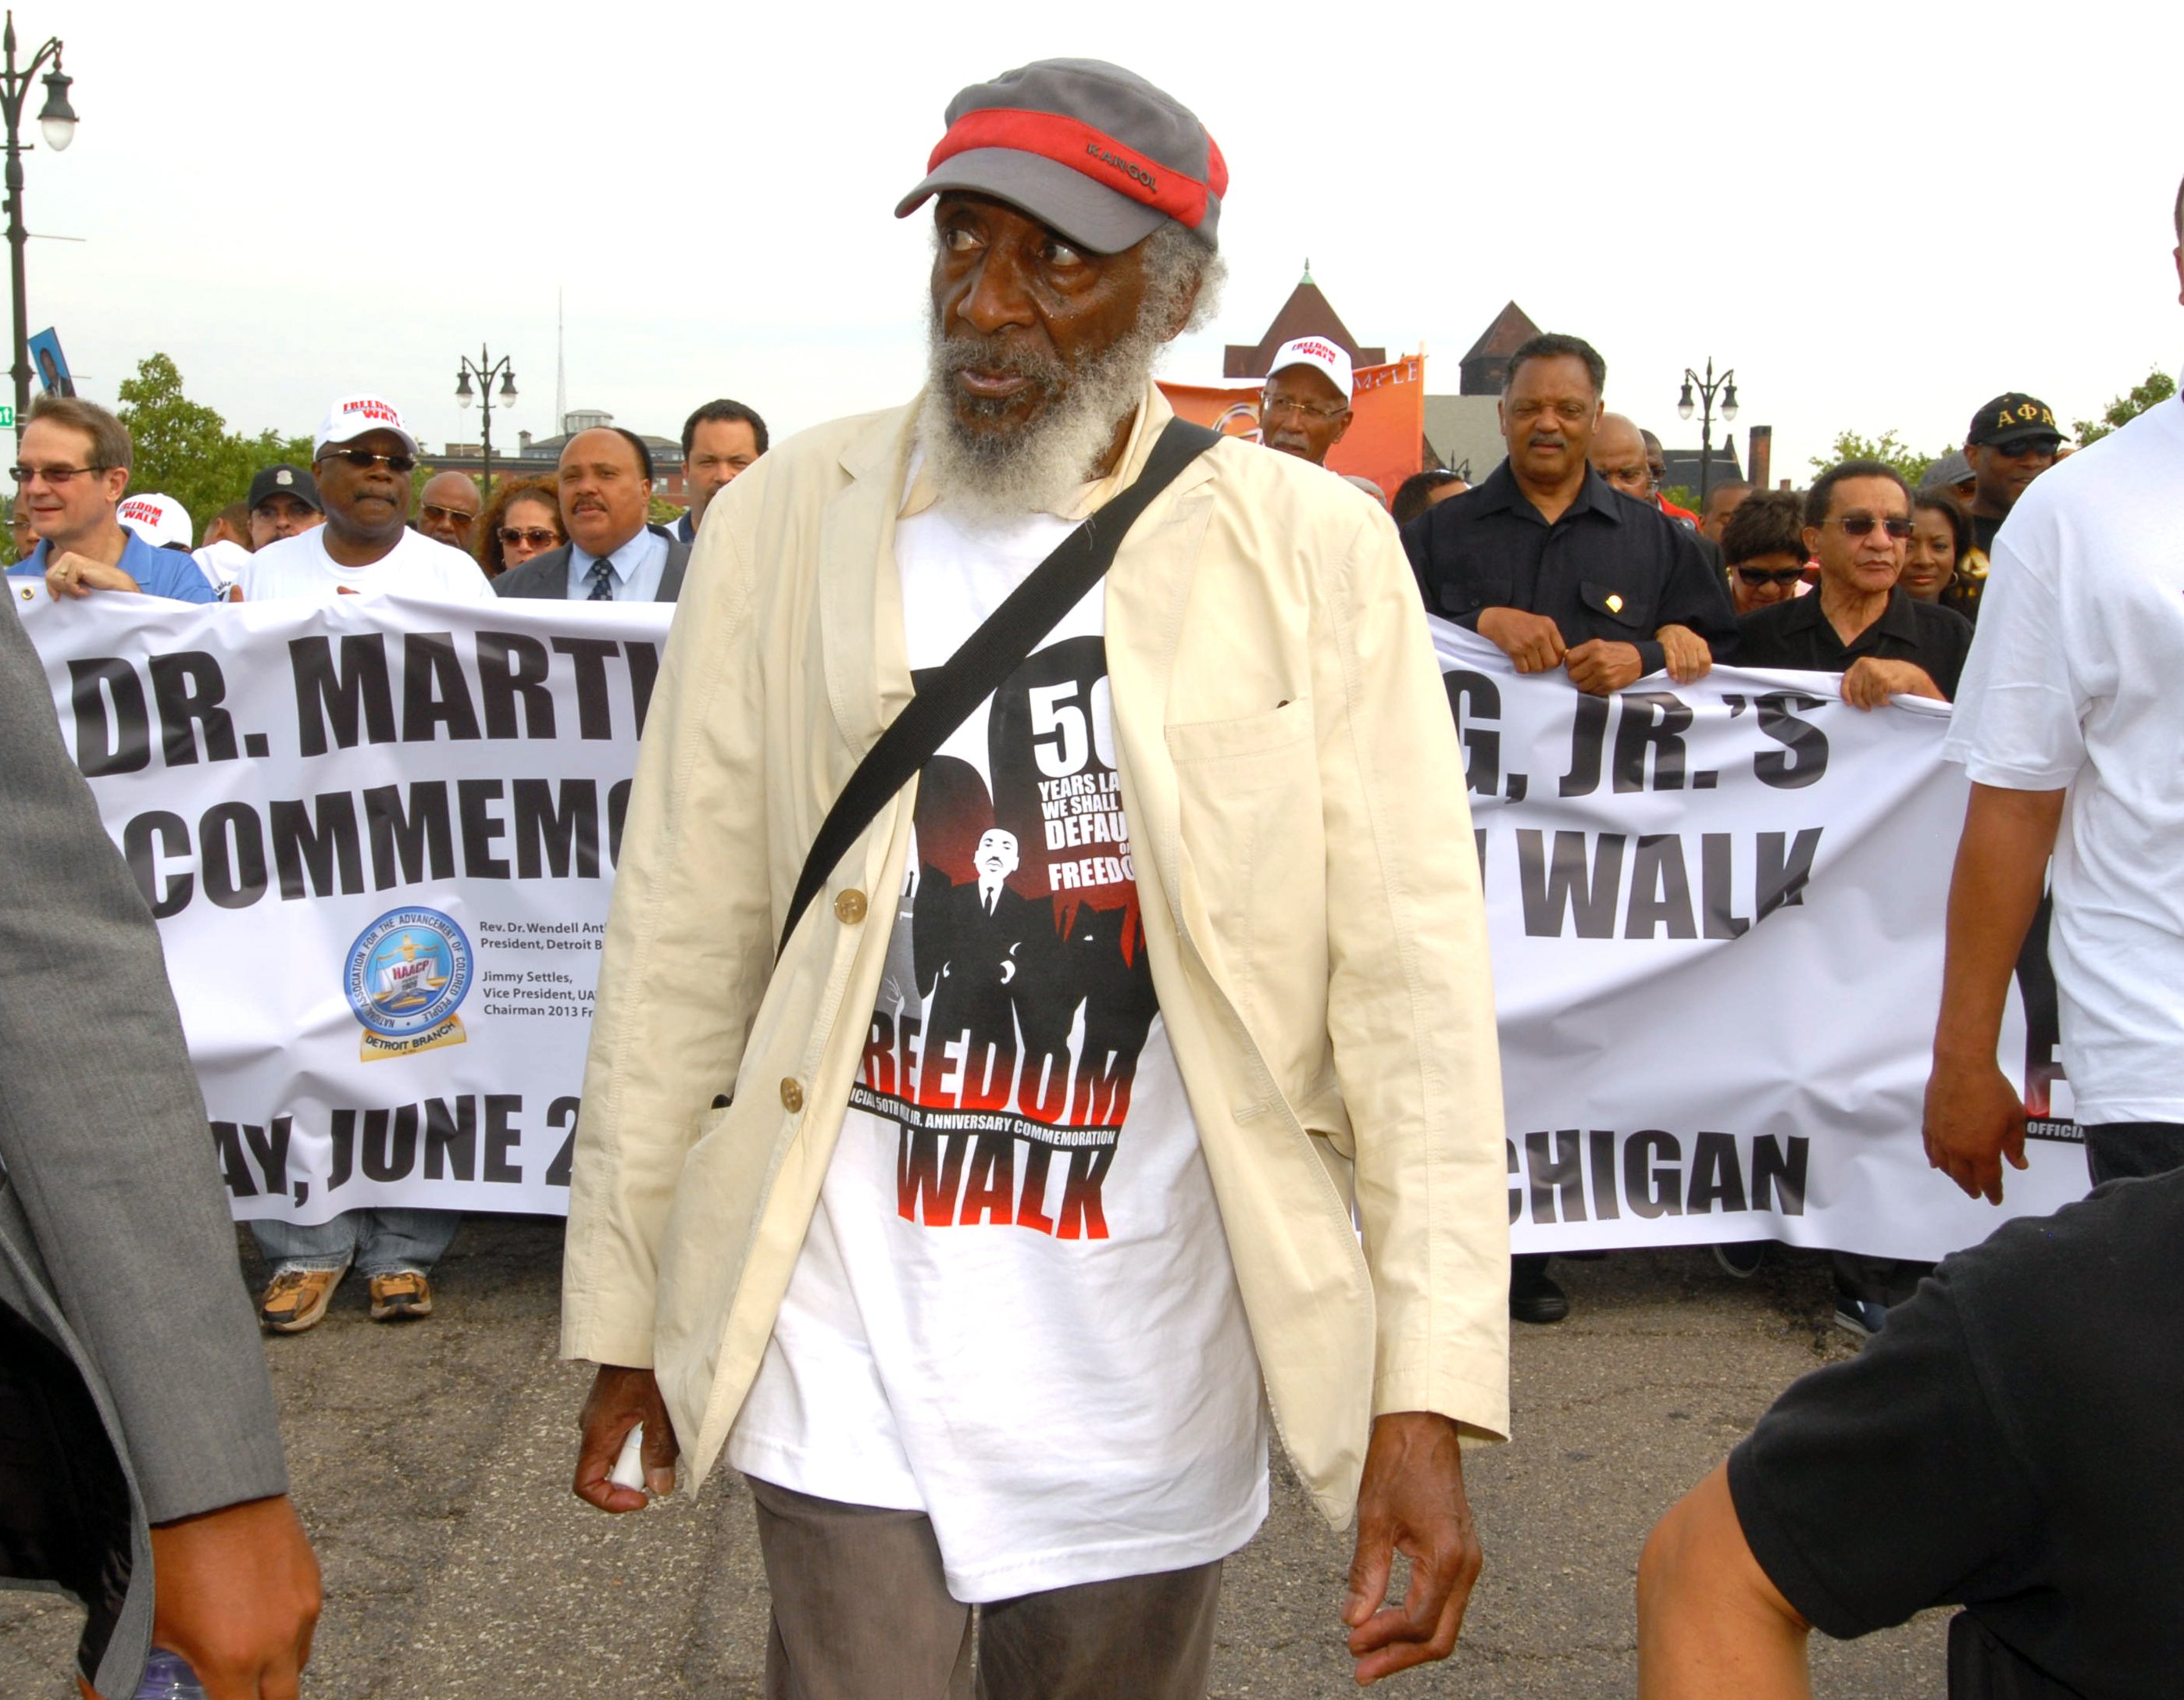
(103, 1133)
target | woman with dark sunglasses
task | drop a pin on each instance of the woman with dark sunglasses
(1764, 544)
(523, 519)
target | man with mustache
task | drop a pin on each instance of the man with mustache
(614, 554)
(364, 456)
(1306, 406)
(1003, 1337)
(362, 459)
(1563, 571)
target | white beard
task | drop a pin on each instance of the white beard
(993, 476)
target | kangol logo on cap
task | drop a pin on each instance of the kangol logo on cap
(1107, 156)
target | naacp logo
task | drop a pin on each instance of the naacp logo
(407, 974)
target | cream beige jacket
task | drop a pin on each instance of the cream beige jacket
(1312, 915)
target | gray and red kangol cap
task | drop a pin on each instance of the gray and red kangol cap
(1092, 151)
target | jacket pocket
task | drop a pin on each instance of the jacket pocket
(1252, 855)
(1473, 594)
(1618, 607)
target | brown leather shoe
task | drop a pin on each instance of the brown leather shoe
(296, 1299)
(400, 1296)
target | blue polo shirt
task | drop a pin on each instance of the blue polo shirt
(158, 572)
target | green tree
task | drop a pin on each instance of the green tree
(2158, 388)
(1887, 448)
(184, 449)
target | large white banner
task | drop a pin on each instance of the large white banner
(379, 836)
(1717, 914)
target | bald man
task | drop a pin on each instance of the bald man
(1619, 456)
(448, 510)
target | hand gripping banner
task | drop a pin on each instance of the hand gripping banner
(1717, 918)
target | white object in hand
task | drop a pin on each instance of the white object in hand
(629, 1468)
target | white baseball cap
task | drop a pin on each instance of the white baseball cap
(1320, 354)
(352, 416)
(159, 519)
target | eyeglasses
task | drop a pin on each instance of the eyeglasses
(537, 536)
(2017, 451)
(363, 459)
(1862, 524)
(1319, 410)
(55, 475)
(1757, 576)
(433, 510)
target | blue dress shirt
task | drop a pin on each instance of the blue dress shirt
(158, 572)
(636, 566)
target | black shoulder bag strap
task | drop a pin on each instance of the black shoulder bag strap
(985, 659)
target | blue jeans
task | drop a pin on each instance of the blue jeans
(378, 1241)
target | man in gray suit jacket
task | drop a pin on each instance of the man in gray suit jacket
(140, 1465)
(612, 554)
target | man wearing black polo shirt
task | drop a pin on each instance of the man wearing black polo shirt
(1860, 623)
(1560, 570)
(1548, 561)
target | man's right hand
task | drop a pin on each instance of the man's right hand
(70, 574)
(1974, 1120)
(620, 1400)
(1532, 641)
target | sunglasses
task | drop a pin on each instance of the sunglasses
(55, 475)
(537, 536)
(1757, 576)
(2043, 446)
(433, 510)
(363, 459)
(1862, 524)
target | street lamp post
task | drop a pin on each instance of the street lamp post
(1708, 387)
(485, 368)
(57, 124)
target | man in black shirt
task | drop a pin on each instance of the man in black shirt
(2010, 442)
(2009, 1444)
(1859, 623)
(1548, 562)
(1559, 570)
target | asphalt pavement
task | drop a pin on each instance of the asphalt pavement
(431, 1463)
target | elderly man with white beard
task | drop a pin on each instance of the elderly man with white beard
(993, 1310)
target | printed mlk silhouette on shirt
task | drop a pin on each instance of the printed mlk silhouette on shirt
(1018, 999)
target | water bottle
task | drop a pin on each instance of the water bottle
(168, 1676)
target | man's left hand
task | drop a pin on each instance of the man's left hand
(1599, 666)
(70, 574)
(1688, 657)
(236, 1592)
(1411, 1501)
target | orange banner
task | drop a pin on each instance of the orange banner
(1386, 438)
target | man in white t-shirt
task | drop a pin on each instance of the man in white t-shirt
(2070, 721)
(362, 456)
(1026, 1189)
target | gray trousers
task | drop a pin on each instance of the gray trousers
(379, 1242)
(861, 1611)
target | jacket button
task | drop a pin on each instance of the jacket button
(850, 907)
(792, 1096)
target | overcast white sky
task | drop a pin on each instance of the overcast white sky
(1879, 221)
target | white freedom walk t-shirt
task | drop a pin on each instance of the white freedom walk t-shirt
(2077, 679)
(1015, 1310)
(300, 568)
